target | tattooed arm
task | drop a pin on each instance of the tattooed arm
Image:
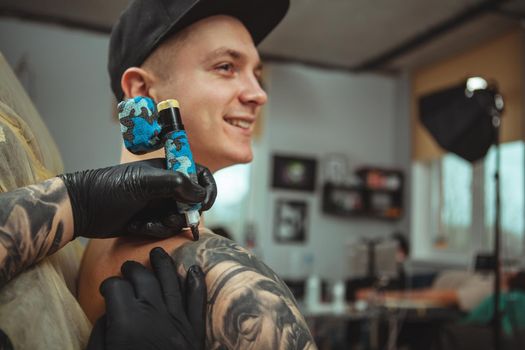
(35, 221)
(249, 306)
(123, 200)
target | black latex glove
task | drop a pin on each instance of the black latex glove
(5, 342)
(147, 311)
(134, 199)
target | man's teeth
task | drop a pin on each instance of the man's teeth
(239, 123)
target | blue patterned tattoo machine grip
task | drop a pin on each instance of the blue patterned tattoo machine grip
(146, 127)
(139, 124)
(177, 147)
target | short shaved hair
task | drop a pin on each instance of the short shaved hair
(157, 62)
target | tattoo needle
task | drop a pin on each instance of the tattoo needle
(195, 232)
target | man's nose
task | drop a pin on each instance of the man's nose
(252, 92)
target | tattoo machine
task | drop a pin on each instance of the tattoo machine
(147, 127)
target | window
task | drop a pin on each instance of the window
(453, 205)
(453, 177)
(512, 191)
(229, 210)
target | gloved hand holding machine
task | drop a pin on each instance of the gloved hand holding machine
(146, 128)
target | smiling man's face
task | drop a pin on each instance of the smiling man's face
(214, 72)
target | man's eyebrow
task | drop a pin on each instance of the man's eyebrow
(234, 54)
(222, 51)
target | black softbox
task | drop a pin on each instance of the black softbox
(460, 124)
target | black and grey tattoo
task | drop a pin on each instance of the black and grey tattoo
(249, 306)
(27, 217)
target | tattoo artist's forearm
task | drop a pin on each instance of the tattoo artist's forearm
(31, 226)
(249, 306)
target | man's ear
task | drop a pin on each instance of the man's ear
(136, 82)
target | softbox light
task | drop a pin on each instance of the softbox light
(460, 120)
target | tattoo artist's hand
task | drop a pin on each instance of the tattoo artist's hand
(151, 311)
(134, 199)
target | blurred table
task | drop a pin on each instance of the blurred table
(383, 325)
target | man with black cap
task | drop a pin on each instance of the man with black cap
(203, 54)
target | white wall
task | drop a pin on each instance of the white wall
(67, 81)
(315, 113)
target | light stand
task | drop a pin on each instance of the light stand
(495, 112)
(494, 108)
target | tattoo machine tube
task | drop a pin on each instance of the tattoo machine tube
(146, 128)
(178, 155)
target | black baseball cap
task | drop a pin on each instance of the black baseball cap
(145, 24)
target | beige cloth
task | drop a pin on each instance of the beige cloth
(38, 309)
(471, 288)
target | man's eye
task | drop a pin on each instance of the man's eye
(225, 67)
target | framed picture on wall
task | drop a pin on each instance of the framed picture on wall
(291, 221)
(294, 173)
(335, 168)
(343, 200)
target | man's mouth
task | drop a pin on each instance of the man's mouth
(240, 123)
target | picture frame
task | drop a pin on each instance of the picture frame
(335, 168)
(294, 173)
(345, 201)
(290, 221)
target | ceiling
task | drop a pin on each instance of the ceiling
(355, 35)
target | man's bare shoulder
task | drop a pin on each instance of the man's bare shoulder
(249, 306)
(104, 257)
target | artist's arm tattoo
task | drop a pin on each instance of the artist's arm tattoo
(249, 306)
(32, 225)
